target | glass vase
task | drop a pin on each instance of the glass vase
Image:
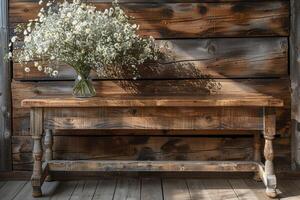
(83, 87)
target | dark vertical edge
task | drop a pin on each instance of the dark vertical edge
(295, 81)
(5, 92)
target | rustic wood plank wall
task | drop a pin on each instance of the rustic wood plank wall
(5, 100)
(295, 74)
(241, 45)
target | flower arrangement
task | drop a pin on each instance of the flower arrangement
(84, 38)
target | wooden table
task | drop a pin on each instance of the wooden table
(206, 113)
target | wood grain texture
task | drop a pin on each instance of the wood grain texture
(162, 88)
(153, 1)
(175, 189)
(295, 71)
(151, 166)
(127, 188)
(141, 101)
(196, 189)
(5, 94)
(221, 189)
(214, 58)
(167, 20)
(151, 189)
(22, 90)
(138, 148)
(11, 189)
(144, 118)
(149, 148)
(105, 189)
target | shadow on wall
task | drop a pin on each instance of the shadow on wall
(171, 71)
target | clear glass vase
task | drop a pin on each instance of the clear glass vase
(83, 87)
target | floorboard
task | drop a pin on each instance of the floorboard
(219, 189)
(64, 190)
(244, 192)
(288, 190)
(11, 189)
(84, 190)
(105, 189)
(175, 189)
(257, 187)
(127, 189)
(150, 189)
(2, 183)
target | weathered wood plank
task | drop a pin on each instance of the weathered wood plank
(151, 166)
(151, 1)
(161, 88)
(127, 189)
(243, 192)
(151, 189)
(165, 20)
(150, 118)
(11, 189)
(295, 71)
(146, 101)
(140, 148)
(175, 189)
(84, 190)
(105, 189)
(288, 190)
(197, 190)
(215, 58)
(5, 92)
(49, 190)
(2, 183)
(257, 187)
(22, 90)
(64, 190)
(219, 189)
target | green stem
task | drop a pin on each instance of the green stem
(83, 87)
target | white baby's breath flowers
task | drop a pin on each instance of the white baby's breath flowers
(84, 38)
(27, 69)
(40, 68)
(13, 39)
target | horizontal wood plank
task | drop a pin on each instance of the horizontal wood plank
(162, 88)
(23, 90)
(168, 20)
(150, 166)
(196, 58)
(137, 148)
(140, 101)
(148, 148)
(149, 118)
(153, 1)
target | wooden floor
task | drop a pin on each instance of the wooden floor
(150, 189)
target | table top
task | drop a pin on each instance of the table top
(154, 101)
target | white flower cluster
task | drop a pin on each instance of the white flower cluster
(85, 38)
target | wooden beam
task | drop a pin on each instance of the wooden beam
(5, 92)
(295, 79)
(153, 166)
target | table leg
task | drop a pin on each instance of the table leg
(36, 128)
(37, 167)
(257, 155)
(48, 149)
(269, 134)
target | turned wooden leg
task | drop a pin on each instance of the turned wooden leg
(269, 134)
(37, 167)
(257, 155)
(36, 128)
(48, 149)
